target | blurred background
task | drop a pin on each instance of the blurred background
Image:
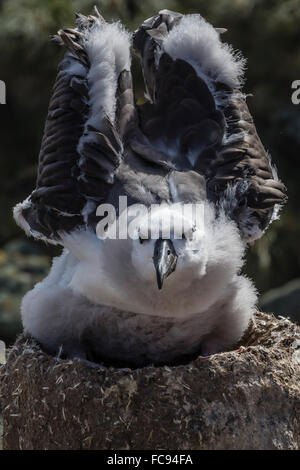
(268, 34)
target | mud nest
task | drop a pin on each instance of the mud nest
(243, 399)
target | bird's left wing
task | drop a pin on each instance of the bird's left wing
(82, 146)
(198, 121)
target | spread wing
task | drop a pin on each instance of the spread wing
(195, 131)
(81, 148)
(197, 118)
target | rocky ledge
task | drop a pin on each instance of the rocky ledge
(244, 399)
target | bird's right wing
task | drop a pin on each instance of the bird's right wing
(82, 145)
(197, 118)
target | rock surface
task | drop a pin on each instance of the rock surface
(244, 399)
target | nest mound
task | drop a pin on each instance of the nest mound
(243, 399)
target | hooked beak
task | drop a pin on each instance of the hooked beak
(165, 260)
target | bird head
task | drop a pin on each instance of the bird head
(166, 243)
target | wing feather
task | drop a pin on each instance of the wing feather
(81, 147)
(196, 123)
(200, 119)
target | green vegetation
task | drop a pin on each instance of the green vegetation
(266, 31)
